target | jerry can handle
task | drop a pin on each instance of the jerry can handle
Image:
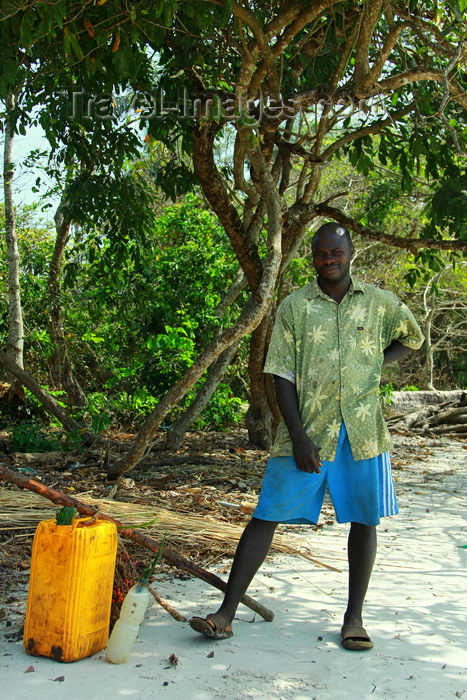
(87, 520)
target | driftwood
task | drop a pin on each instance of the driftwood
(167, 607)
(448, 418)
(143, 540)
(407, 401)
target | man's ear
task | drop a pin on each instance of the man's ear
(352, 252)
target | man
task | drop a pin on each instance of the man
(327, 348)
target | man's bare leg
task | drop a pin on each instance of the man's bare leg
(252, 549)
(361, 550)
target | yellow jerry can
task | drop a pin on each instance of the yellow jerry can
(70, 589)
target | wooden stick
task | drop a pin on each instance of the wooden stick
(163, 603)
(148, 542)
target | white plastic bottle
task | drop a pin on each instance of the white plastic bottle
(126, 628)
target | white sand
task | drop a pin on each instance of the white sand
(416, 613)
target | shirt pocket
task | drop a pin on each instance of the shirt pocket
(365, 345)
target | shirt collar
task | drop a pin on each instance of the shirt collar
(314, 290)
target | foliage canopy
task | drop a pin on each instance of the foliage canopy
(291, 86)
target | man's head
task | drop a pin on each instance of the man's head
(332, 252)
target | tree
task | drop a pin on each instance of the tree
(445, 321)
(15, 342)
(296, 85)
(41, 72)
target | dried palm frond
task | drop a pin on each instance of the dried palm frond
(21, 509)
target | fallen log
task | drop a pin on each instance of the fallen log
(454, 416)
(175, 559)
(409, 420)
(443, 429)
(448, 417)
(407, 401)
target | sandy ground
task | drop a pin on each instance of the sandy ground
(416, 612)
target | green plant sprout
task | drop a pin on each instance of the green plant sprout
(65, 515)
(148, 571)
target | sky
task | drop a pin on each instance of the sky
(25, 177)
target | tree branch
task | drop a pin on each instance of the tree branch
(249, 319)
(267, 65)
(385, 52)
(374, 128)
(369, 18)
(219, 199)
(412, 244)
(440, 45)
(299, 23)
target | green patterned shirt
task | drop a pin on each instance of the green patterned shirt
(333, 353)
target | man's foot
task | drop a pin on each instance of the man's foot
(355, 638)
(213, 626)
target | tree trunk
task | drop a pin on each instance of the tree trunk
(263, 414)
(62, 370)
(429, 360)
(15, 343)
(215, 373)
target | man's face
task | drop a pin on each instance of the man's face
(331, 257)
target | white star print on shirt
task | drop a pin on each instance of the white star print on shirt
(357, 314)
(370, 448)
(318, 334)
(363, 411)
(367, 347)
(334, 428)
(316, 400)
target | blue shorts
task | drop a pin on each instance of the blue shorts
(361, 490)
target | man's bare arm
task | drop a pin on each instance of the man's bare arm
(305, 452)
(395, 351)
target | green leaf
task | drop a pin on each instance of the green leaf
(75, 45)
(147, 573)
(65, 515)
(226, 12)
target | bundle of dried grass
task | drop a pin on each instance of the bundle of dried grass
(23, 509)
